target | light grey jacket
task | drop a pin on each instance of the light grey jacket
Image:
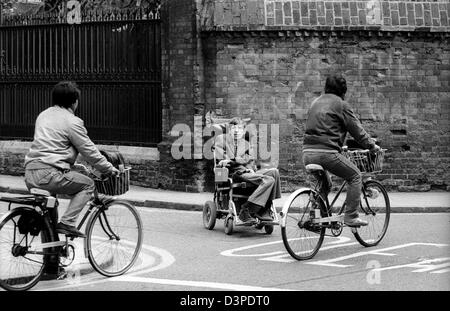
(59, 137)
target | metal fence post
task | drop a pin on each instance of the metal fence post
(1, 13)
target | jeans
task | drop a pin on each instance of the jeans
(72, 183)
(340, 166)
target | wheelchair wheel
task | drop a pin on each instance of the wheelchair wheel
(229, 225)
(268, 229)
(209, 215)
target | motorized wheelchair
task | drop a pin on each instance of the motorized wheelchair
(229, 195)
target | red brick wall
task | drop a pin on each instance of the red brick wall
(182, 97)
(375, 14)
(398, 77)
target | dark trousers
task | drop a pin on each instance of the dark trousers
(269, 186)
(340, 166)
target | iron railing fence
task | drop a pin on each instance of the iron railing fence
(114, 58)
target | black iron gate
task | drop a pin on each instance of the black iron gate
(115, 58)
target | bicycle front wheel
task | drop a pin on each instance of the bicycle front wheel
(301, 237)
(114, 238)
(375, 208)
(21, 266)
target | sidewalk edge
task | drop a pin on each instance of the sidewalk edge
(199, 206)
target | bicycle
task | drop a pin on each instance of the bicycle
(28, 236)
(306, 214)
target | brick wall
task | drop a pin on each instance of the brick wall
(267, 59)
(182, 97)
(374, 14)
(271, 66)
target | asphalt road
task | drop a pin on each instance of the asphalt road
(179, 254)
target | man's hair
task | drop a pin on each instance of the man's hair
(65, 94)
(336, 84)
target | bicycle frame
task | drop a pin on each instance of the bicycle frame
(41, 203)
(336, 196)
(366, 208)
(329, 206)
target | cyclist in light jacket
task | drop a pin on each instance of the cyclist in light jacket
(59, 137)
(330, 118)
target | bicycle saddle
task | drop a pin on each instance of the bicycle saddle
(41, 192)
(310, 168)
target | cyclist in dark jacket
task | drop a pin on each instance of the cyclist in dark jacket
(330, 118)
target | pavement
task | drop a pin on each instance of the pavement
(401, 202)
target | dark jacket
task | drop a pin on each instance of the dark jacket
(225, 148)
(329, 120)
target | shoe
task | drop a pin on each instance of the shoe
(355, 222)
(252, 207)
(264, 216)
(245, 216)
(69, 230)
(54, 275)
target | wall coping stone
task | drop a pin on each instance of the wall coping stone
(225, 15)
(130, 153)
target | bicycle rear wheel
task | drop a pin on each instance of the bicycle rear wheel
(114, 238)
(301, 238)
(20, 229)
(375, 208)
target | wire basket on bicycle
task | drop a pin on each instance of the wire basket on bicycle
(114, 185)
(366, 161)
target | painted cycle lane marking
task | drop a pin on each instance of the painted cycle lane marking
(133, 277)
(437, 265)
(283, 256)
(334, 262)
(146, 261)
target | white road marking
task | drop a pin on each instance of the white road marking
(331, 262)
(232, 252)
(166, 260)
(423, 266)
(215, 285)
(441, 271)
(287, 257)
(145, 260)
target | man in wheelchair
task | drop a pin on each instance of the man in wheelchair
(232, 151)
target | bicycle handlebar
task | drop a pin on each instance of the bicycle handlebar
(91, 172)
